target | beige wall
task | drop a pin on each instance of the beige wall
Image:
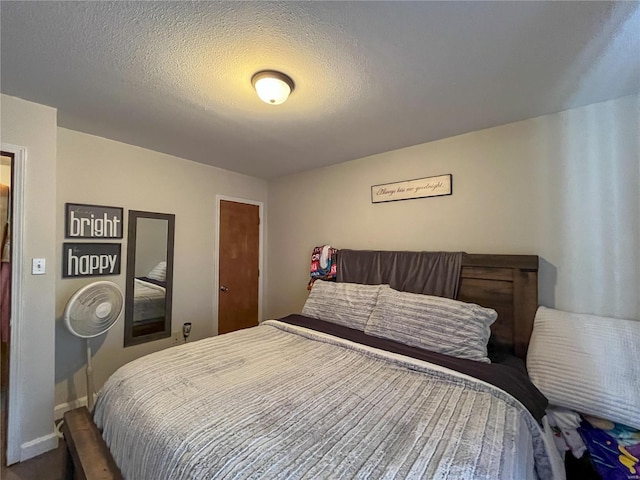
(563, 186)
(99, 171)
(33, 126)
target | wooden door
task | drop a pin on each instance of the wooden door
(238, 266)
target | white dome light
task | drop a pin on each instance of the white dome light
(272, 87)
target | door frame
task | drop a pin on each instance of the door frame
(216, 254)
(14, 416)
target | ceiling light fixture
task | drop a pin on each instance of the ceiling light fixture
(272, 87)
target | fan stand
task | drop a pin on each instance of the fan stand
(89, 377)
(90, 312)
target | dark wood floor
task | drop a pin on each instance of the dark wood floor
(48, 466)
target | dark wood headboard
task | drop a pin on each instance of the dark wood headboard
(508, 284)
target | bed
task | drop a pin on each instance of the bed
(302, 397)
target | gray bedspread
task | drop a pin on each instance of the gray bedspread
(280, 401)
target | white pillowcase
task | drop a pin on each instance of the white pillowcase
(159, 272)
(347, 304)
(438, 324)
(587, 363)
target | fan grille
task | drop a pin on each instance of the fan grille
(93, 309)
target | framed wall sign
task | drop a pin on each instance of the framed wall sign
(92, 221)
(409, 189)
(90, 259)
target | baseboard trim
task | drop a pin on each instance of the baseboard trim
(61, 409)
(38, 446)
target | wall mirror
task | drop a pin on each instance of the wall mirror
(149, 277)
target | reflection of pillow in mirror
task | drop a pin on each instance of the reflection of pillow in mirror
(159, 272)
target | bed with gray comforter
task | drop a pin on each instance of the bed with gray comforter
(284, 401)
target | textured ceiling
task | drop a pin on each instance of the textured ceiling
(370, 76)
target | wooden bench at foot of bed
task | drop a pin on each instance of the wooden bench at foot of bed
(91, 458)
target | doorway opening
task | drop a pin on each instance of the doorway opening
(6, 215)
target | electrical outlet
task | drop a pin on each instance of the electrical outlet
(177, 338)
(186, 330)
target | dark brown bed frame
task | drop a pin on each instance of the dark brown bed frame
(506, 283)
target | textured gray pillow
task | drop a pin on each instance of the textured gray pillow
(347, 304)
(438, 324)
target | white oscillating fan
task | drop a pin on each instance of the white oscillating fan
(90, 312)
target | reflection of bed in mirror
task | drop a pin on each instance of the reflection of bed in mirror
(148, 305)
(149, 292)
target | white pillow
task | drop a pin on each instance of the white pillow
(347, 304)
(159, 272)
(438, 324)
(587, 363)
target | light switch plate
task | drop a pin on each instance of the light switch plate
(39, 266)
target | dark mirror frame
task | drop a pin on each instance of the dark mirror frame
(129, 339)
